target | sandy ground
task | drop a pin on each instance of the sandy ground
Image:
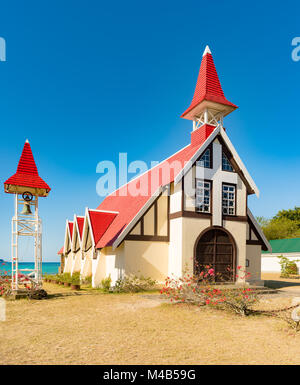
(83, 328)
(285, 286)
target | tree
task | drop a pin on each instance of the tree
(285, 224)
(280, 229)
(291, 214)
(262, 221)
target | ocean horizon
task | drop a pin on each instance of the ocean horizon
(47, 267)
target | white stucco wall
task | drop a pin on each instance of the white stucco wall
(175, 197)
(76, 261)
(146, 258)
(253, 254)
(270, 262)
(109, 262)
(86, 263)
(68, 263)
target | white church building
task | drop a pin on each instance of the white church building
(194, 211)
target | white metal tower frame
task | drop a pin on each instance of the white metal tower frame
(208, 116)
(28, 225)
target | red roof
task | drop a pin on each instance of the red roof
(100, 221)
(70, 224)
(61, 251)
(208, 85)
(80, 223)
(27, 173)
(128, 206)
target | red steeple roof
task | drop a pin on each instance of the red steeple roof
(27, 174)
(208, 85)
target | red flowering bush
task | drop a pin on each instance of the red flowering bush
(24, 282)
(201, 289)
(5, 281)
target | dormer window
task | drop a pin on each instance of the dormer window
(226, 165)
(205, 160)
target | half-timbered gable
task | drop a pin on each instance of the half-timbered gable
(154, 224)
(76, 243)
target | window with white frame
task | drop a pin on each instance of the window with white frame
(205, 159)
(228, 199)
(203, 189)
(226, 165)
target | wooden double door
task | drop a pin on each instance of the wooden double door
(216, 248)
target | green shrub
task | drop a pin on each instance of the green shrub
(75, 279)
(56, 277)
(288, 267)
(133, 284)
(66, 277)
(87, 280)
(106, 283)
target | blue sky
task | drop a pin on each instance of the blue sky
(85, 80)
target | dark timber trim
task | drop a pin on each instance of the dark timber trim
(190, 214)
(257, 241)
(237, 218)
(152, 238)
(253, 242)
(155, 237)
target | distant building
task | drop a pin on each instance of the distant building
(286, 247)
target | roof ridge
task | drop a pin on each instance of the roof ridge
(144, 173)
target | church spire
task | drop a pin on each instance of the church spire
(209, 104)
(27, 177)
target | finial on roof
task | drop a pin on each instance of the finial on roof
(208, 89)
(26, 141)
(207, 50)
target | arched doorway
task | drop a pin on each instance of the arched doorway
(216, 247)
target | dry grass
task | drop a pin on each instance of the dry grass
(131, 329)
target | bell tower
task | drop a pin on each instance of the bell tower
(27, 186)
(209, 105)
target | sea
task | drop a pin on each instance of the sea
(47, 267)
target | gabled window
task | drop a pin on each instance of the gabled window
(203, 193)
(228, 199)
(226, 165)
(205, 160)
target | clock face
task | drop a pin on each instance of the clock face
(27, 196)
